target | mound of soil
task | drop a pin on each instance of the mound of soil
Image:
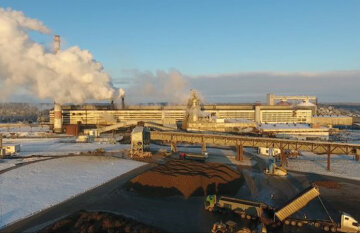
(330, 184)
(187, 178)
(89, 222)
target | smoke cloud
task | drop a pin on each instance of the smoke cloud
(70, 76)
(171, 87)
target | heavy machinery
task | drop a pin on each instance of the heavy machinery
(275, 217)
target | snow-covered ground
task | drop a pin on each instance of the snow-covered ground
(7, 163)
(340, 165)
(37, 186)
(343, 166)
(24, 130)
(57, 146)
(354, 136)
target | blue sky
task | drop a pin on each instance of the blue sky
(206, 37)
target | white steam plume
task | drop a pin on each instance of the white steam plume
(171, 87)
(70, 76)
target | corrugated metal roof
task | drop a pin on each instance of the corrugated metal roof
(298, 203)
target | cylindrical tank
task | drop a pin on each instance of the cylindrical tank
(57, 118)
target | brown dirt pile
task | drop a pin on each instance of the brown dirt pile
(187, 178)
(328, 184)
(99, 222)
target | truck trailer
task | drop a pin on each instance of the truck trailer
(277, 217)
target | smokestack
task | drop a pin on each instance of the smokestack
(56, 43)
(57, 118)
(112, 105)
(122, 102)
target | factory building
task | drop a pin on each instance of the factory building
(224, 116)
(332, 120)
(94, 115)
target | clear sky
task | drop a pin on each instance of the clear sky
(202, 37)
(205, 37)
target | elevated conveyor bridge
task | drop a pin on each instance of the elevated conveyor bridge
(318, 147)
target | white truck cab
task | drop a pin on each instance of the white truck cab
(348, 224)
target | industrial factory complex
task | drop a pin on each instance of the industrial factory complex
(179, 116)
(294, 114)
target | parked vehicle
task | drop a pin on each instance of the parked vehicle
(275, 217)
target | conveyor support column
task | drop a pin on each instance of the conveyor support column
(173, 147)
(328, 159)
(203, 147)
(239, 152)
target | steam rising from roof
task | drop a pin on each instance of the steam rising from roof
(70, 76)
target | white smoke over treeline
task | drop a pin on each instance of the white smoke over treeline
(70, 76)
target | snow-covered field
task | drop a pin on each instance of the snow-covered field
(37, 186)
(57, 146)
(7, 163)
(24, 130)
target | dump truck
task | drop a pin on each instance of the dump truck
(275, 217)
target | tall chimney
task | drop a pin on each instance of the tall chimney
(57, 107)
(57, 118)
(123, 102)
(56, 43)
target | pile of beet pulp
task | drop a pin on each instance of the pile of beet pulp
(94, 222)
(187, 178)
